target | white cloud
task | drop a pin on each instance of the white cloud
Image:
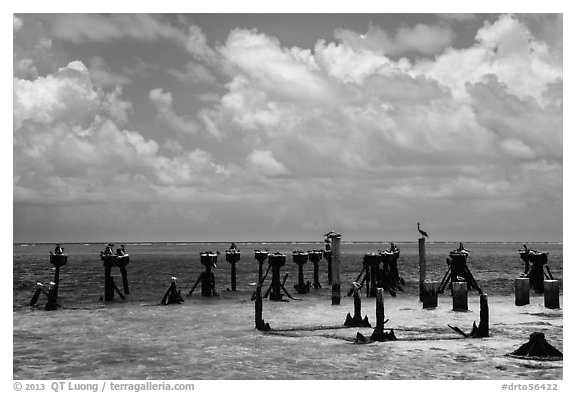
(505, 49)
(347, 129)
(163, 103)
(264, 161)
(424, 39)
(274, 69)
(67, 94)
(69, 146)
(17, 23)
(196, 44)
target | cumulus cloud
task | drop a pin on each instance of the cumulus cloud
(70, 146)
(346, 128)
(288, 73)
(163, 103)
(264, 161)
(196, 44)
(421, 38)
(505, 49)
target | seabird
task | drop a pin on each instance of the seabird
(421, 231)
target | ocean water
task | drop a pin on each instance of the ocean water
(214, 338)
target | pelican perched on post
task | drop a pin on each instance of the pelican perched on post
(421, 231)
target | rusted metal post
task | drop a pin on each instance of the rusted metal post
(522, 291)
(422, 264)
(551, 294)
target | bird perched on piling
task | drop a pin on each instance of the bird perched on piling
(424, 234)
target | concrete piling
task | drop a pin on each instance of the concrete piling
(460, 296)
(335, 240)
(551, 294)
(430, 294)
(522, 291)
(422, 264)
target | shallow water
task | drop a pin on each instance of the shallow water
(214, 338)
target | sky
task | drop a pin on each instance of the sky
(280, 127)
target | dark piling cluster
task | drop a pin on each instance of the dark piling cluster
(209, 260)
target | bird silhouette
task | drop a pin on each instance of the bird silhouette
(421, 231)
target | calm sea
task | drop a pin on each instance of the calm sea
(214, 338)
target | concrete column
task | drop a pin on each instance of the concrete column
(551, 294)
(422, 264)
(335, 269)
(430, 294)
(522, 291)
(460, 296)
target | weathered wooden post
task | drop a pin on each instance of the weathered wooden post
(276, 261)
(335, 241)
(460, 296)
(300, 258)
(551, 294)
(422, 264)
(232, 257)
(522, 291)
(260, 256)
(430, 294)
(315, 256)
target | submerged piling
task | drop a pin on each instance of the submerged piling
(57, 260)
(551, 294)
(430, 294)
(460, 296)
(522, 291)
(232, 257)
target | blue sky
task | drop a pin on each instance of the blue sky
(239, 127)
